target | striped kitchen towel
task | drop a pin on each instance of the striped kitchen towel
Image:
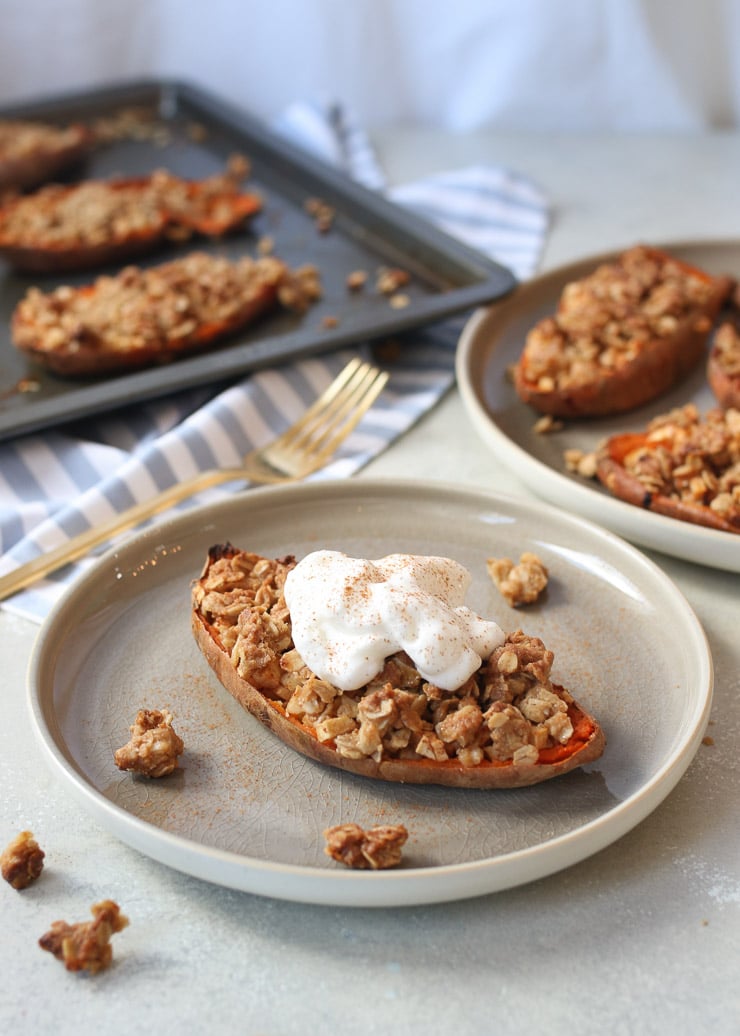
(57, 483)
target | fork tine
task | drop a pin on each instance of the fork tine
(342, 425)
(312, 432)
(324, 400)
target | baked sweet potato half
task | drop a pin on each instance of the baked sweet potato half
(94, 223)
(508, 726)
(723, 366)
(683, 466)
(142, 317)
(620, 336)
(32, 153)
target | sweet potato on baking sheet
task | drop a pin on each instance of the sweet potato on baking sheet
(621, 336)
(396, 728)
(62, 228)
(33, 152)
(142, 317)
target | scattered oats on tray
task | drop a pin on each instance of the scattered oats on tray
(374, 848)
(520, 583)
(154, 747)
(86, 946)
(22, 861)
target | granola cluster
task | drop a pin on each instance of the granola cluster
(520, 583)
(154, 747)
(22, 861)
(86, 946)
(604, 319)
(156, 308)
(693, 459)
(376, 848)
(508, 710)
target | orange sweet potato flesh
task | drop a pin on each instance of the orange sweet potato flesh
(586, 744)
(612, 473)
(206, 211)
(658, 363)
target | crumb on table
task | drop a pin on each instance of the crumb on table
(86, 946)
(22, 861)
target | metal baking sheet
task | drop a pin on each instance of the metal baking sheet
(192, 134)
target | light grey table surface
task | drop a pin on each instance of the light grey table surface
(643, 937)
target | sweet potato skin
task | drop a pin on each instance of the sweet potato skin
(659, 363)
(589, 738)
(611, 472)
(724, 385)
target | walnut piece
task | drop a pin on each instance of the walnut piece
(376, 848)
(22, 861)
(154, 746)
(518, 584)
(86, 946)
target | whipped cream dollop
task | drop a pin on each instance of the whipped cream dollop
(350, 614)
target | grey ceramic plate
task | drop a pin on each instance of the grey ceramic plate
(248, 813)
(493, 339)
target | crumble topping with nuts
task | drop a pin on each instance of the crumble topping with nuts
(507, 710)
(727, 345)
(154, 747)
(22, 861)
(691, 460)
(158, 311)
(86, 946)
(520, 583)
(96, 212)
(604, 319)
(376, 848)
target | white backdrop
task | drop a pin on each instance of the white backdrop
(457, 64)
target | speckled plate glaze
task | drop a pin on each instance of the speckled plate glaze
(246, 812)
(493, 339)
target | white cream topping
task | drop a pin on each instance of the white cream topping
(350, 614)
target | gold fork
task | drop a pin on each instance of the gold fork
(304, 448)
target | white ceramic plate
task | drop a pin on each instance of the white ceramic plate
(493, 339)
(248, 813)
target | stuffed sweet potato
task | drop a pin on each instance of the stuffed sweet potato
(620, 336)
(508, 726)
(32, 153)
(95, 223)
(142, 317)
(683, 466)
(723, 366)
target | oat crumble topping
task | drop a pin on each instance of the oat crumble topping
(22, 861)
(154, 747)
(86, 946)
(376, 848)
(689, 458)
(520, 583)
(507, 710)
(604, 319)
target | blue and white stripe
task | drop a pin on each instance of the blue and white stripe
(60, 482)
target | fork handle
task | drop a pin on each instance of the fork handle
(78, 546)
